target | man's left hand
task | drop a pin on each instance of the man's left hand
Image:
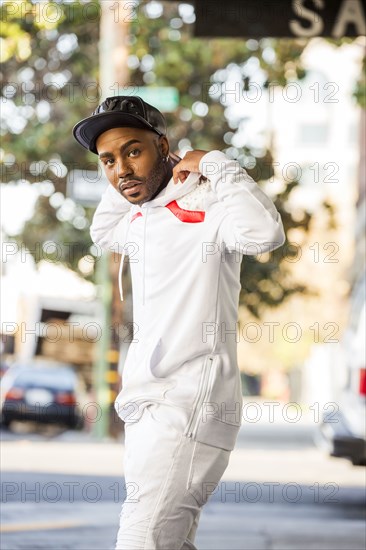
(190, 163)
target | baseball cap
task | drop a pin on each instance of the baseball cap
(118, 112)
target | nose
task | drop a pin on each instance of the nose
(124, 169)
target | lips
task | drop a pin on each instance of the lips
(129, 185)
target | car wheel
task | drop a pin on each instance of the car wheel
(5, 422)
(359, 462)
(76, 424)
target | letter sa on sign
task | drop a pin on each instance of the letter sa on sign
(311, 23)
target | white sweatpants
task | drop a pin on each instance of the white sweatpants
(169, 477)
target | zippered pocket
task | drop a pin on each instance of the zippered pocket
(216, 415)
(202, 392)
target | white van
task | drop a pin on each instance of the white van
(344, 433)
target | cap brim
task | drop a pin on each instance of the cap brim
(88, 130)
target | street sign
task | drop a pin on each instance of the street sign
(164, 98)
(86, 187)
(279, 18)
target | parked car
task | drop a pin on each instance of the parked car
(41, 393)
(344, 431)
(4, 366)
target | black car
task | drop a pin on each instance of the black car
(40, 393)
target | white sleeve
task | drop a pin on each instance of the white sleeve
(252, 224)
(108, 217)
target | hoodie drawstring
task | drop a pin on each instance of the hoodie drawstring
(121, 265)
(143, 267)
(120, 274)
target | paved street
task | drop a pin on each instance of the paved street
(64, 490)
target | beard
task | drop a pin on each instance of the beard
(157, 180)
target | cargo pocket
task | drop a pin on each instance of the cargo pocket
(216, 416)
(207, 466)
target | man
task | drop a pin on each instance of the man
(185, 228)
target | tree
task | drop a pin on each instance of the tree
(42, 98)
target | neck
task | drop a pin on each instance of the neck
(165, 182)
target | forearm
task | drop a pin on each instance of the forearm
(252, 222)
(109, 213)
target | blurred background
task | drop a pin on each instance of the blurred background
(279, 86)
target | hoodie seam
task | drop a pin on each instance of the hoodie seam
(144, 260)
(217, 307)
(121, 265)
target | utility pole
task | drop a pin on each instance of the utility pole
(113, 45)
(114, 75)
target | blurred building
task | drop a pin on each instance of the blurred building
(315, 136)
(47, 311)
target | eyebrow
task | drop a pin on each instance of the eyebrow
(123, 148)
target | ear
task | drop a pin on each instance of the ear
(164, 146)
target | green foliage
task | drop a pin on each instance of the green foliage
(360, 91)
(49, 82)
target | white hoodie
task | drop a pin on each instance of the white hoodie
(185, 249)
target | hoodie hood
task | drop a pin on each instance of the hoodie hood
(171, 192)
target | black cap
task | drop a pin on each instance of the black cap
(118, 112)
